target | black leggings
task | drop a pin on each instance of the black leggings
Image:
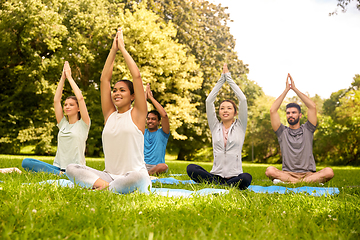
(199, 174)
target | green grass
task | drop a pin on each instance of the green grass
(36, 211)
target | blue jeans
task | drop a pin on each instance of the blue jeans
(30, 164)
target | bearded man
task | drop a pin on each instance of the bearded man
(296, 142)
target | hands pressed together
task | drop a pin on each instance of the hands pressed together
(148, 92)
(290, 85)
(118, 40)
(66, 70)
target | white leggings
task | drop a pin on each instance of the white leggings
(127, 183)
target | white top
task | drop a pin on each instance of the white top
(123, 144)
(71, 143)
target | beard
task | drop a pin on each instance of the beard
(294, 122)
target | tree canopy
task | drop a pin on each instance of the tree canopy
(40, 35)
(179, 47)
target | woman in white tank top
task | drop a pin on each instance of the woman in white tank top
(123, 134)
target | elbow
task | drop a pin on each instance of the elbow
(272, 111)
(312, 106)
(136, 74)
(103, 78)
(164, 115)
(80, 98)
(208, 100)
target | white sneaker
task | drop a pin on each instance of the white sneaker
(277, 181)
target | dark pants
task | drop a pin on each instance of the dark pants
(199, 174)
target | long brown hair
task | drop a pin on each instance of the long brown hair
(74, 98)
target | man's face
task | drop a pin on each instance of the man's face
(152, 122)
(293, 116)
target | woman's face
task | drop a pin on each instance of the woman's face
(71, 107)
(226, 111)
(121, 95)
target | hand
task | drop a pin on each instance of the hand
(67, 70)
(292, 84)
(225, 68)
(115, 45)
(149, 93)
(120, 38)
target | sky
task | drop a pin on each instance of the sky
(277, 37)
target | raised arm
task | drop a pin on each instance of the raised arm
(165, 125)
(274, 115)
(139, 112)
(82, 106)
(107, 104)
(243, 110)
(59, 114)
(312, 113)
(210, 107)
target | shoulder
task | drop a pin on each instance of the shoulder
(112, 114)
(63, 122)
(281, 129)
(161, 131)
(83, 124)
(309, 126)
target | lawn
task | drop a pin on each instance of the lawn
(33, 211)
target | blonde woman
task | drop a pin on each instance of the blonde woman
(73, 127)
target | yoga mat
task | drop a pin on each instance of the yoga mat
(169, 192)
(313, 191)
(59, 182)
(171, 180)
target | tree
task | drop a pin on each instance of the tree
(343, 4)
(31, 33)
(202, 27)
(40, 35)
(261, 143)
(338, 137)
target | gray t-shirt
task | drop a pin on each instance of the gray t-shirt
(297, 148)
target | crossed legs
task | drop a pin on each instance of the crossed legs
(157, 169)
(91, 178)
(199, 174)
(321, 176)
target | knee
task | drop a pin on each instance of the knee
(248, 178)
(163, 167)
(329, 173)
(190, 168)
(26, 163)
(71, 170)
(270, 171)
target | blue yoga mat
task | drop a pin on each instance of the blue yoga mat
(59, 182)
(171, 180)
(314, 191)
(169, 192)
